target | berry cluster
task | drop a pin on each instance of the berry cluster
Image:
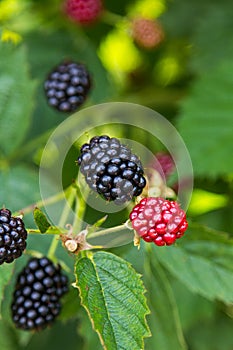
(13, 237)
(67, 86)
(83, 11)
(147, 33)
(111, 169)
(158, 220)
(36, 301)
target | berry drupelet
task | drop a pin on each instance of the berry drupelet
(13, 237)
(67, 86)
(36, 300)
(158, 220)
(111, 169)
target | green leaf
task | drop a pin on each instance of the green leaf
(7, 339)
(203, 262)
(91, 340)
(113, 295)
(16, 97)
(6, 272)
(209, 53)
(20, 188)
(193, 308)
(204, 201)
(205, 122)
(164, 319)
(41, 220)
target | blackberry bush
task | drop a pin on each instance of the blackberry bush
(39, 288)
(158, 220)
(111, 169)
(13, 237)
(67, 86)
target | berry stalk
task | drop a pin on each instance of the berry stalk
(62, 223)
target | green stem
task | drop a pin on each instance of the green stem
(31, 146)
(109, 230)
(50, 200)
(62, 222)
(49, 232)
(80, 209)
(111, 18)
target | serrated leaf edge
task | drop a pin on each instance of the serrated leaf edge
(75, 284)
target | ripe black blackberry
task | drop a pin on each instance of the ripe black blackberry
(13, 237)
(36, 300)
(67, 86)
(111, 169)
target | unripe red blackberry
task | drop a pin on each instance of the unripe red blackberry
(111, 169)
(165, 165)
(13, 237)
(36, 300)
(158, 220)
(83, 11)
(147, 33)
(67, 86)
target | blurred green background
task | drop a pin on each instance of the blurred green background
(188, 78)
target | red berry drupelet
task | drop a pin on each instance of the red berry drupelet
(83, 11)
(36, 300)
(158, 220)
(13, 237)
(111, 169)
(67, 86)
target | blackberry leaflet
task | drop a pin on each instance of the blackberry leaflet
(111, 169)
(36, 300)
(67, 86)
(13, 237)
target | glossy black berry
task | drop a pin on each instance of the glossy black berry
(13, 237)
(36, 300)
(67, 86)
(111, 169)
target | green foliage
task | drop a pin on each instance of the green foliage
(164, 321)
(6, 274)
(207, 53)
(41, 220)
(202, 263)
(16, 98)
(17, 190)
(113, 296)
(205, 122)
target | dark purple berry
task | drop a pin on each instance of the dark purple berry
(111, 169)
(36, 300)
(13, 237)
(67, 86)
